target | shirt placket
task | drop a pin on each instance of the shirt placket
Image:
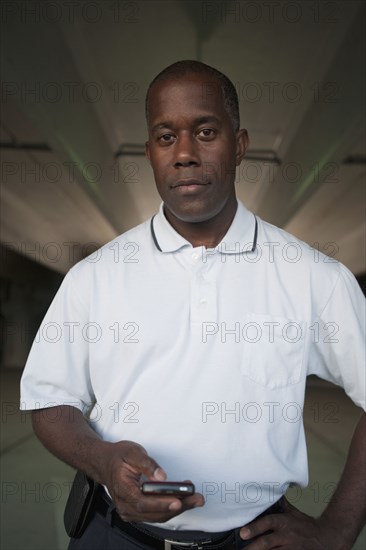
(203, 306)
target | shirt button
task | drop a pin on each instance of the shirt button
(195, 256)
(203, 301)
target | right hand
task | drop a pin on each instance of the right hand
(125, 462)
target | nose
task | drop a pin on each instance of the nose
(186, 153)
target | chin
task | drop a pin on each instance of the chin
(193, 214)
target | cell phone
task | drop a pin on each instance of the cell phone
(178, 489)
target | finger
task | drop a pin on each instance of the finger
(147, 505)
(266, 542)
(271, 522)
(152, 509)
(193, 501)
(155, 508)
(153, 503)
(291, 509)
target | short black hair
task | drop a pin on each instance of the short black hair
(181, 68)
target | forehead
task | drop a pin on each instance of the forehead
(192, 94)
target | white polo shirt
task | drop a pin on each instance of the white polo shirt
(201, 356)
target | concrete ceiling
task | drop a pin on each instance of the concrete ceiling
(74, 76)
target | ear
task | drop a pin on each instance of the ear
(147, 151)
(242, 143)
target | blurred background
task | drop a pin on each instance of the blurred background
(73, 176)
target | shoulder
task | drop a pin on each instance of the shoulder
(289, 249)
(101, 271)
(304, 269)
(122, 250)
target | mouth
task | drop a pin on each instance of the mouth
(189, 184)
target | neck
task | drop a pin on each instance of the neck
(208, 233)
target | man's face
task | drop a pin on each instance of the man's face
(193, 147)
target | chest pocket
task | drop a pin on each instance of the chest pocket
(274, 350)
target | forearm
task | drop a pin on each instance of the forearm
(68, 435)
(346, 511)
(118, 465)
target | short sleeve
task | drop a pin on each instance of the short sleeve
(57, 368)
(338, 338)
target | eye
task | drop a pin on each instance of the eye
(207, 133)
(166, 138)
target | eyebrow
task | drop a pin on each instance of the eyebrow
(200, 120)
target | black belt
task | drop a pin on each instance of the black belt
(213, 541)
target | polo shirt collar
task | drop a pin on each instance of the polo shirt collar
(241, 235)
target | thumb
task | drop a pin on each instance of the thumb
(137, 459)
(291, 509)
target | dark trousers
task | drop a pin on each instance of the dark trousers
(99, 535)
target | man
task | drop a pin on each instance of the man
(195, 354)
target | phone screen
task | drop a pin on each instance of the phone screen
(168, 488)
